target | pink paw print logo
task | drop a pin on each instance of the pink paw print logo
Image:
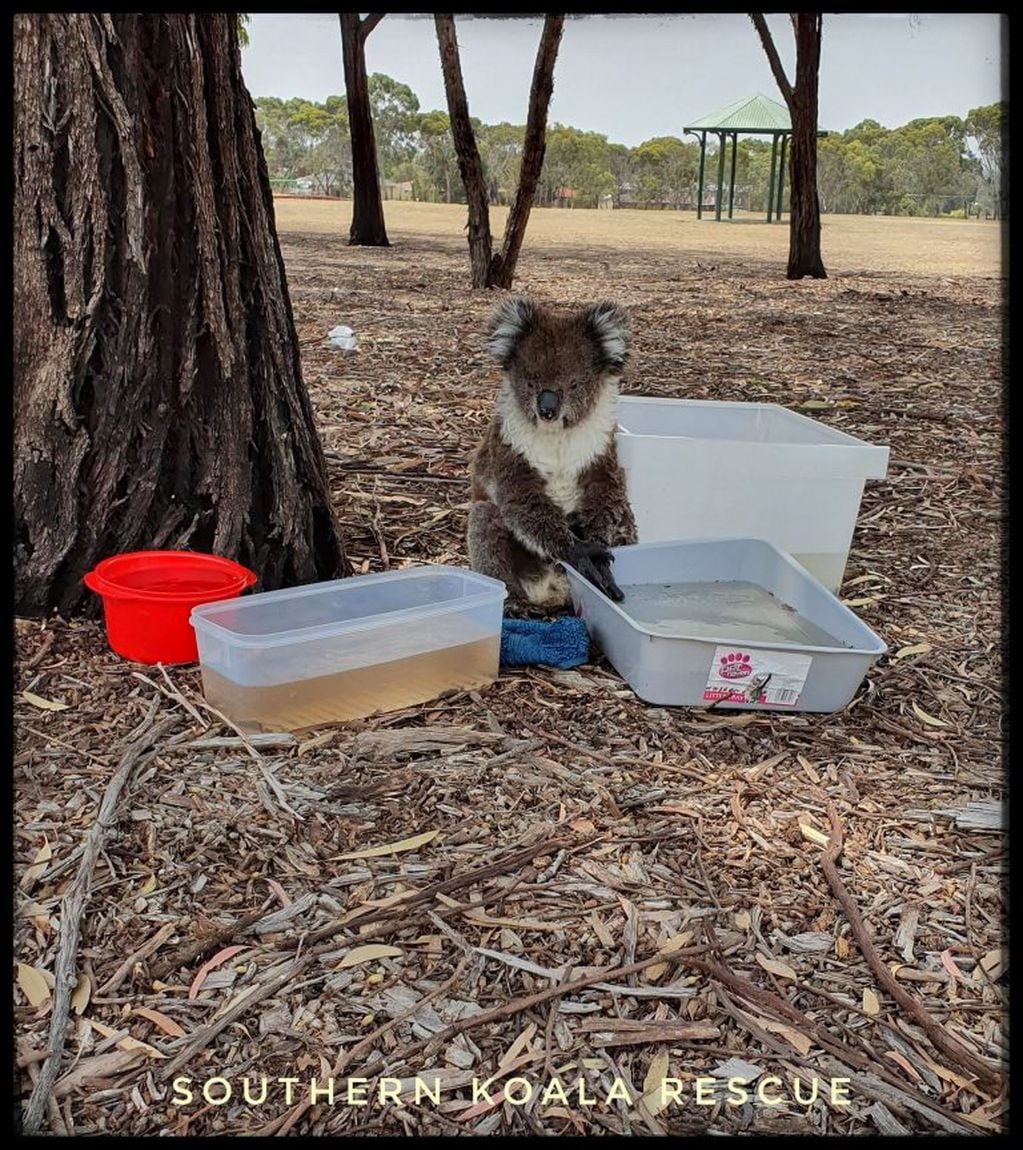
(734, 665)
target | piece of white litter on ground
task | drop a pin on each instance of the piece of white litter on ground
(343, 337)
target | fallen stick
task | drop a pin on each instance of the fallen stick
(71, 910)
(282, 1125)
(187, 954)
(517, 1005)
(936, 1033)
(400, 910)
(836, 1047)
(205, 1035)
(144, 951)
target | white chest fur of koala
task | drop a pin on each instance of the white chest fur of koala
(560, 455)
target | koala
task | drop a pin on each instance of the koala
(547, 487)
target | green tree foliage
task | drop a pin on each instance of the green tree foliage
(986, 131)
(932, 166)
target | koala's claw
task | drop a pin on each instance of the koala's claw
(593, 562)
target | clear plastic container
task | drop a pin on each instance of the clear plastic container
(348, 648)
(734, 622)
(696, 469)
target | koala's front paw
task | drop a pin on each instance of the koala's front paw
(593, 562)
(607, 582)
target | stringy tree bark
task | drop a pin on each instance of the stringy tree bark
(367, 208)
(158, 395)
(489, 269)
(804, 204)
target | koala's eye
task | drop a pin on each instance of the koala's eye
(574, 385)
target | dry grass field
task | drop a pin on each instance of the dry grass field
(561, 883)
(931, 247)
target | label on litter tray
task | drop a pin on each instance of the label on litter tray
(745, 675)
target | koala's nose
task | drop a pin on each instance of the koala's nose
(548, 404)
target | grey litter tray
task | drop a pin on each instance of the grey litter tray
(705, 621)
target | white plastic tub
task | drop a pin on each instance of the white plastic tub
(698, 469)
(344, 649)
(687, 658)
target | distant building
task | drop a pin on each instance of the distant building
(396, 189)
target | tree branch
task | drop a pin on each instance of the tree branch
(772, 56)
(372, 20)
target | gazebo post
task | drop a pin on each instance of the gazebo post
(703, 157)
(721, 174)
(770, 187)
(756, 116)
(731, 180)
(781, 175)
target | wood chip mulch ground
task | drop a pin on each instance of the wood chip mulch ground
(549, 884)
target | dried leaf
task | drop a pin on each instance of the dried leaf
(126, 1042)
(949, 964)
(863, 601)
(798, 1039)
(390, 848)
(81, 994)
(654, 1094)
(518, 1046)
(870, 1002)
(43, 704)
(167, 1025)
(743, 920)
(148, 886)
(915, 649)
(211, 964)
(777, 967)
(813, 835)
(38, 865)
(841, 947)
(906, 1065)
(993, 963)
(930, 720)
(130, 1043)
(98, 1068)
(676, 942)
(361, 954)
(583, 826)
(33, 984)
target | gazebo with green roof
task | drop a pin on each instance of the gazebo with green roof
(752, 116)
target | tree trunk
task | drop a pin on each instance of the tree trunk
(534, 146)
(469, 163)
(804, 206)
(367, 210)
(158, 395)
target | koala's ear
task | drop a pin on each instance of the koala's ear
(608, 327)
(512, 318)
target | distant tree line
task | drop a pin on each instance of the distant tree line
(929, 167)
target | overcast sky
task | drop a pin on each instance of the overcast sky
(635, 77)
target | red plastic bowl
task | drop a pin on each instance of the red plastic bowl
(149, 595)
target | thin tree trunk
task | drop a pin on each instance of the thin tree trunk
(158, 395)
(534, 146)
(469, 163)
(804, 205)
(367, 209)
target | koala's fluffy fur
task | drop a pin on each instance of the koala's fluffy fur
(545, 488)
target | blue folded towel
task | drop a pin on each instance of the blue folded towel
(563, 642)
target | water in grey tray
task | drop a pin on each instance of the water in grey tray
(733, 622)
